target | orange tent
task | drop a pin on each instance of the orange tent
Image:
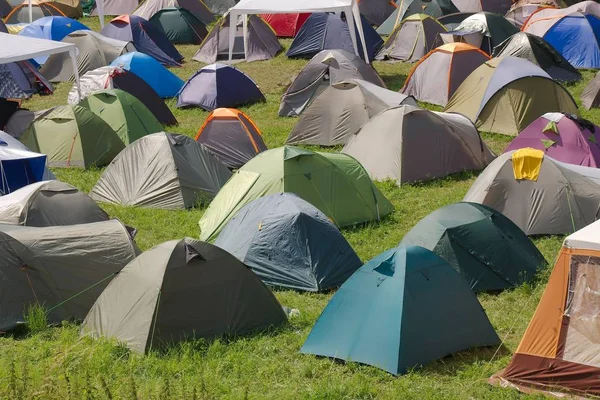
(44, 8)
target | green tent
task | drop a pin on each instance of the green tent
(180, 25)
(404, 308)
(334, 183)
(73, 136)
(488, 250)
(125, 114)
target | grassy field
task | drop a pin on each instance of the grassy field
(54, 363)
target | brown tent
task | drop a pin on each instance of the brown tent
(590, 97)
(45, 8)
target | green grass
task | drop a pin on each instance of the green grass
(54, 363)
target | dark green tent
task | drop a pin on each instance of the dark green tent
(180, 25)
(486, 248)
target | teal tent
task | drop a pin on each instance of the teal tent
(488, 250)
(404, 308)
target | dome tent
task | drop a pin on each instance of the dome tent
(49, 203)
(21, 79)
(341, 110)
(196, 8)
(590, 96)
(324, 69)
(123, 112)
(334, 183)
(217, 86)
(406, 8)
(403, 309)
(506, 94)
(162, 170)
(285, 25)
(489, 251)
(72, 136)
(376, 11)
(116, 7)
(500, 7)
(44, 8)
(203, 292)
(410, 144)
(220, 7)
(231, 136)
(5, 9)
(180, 25)
(289, 243)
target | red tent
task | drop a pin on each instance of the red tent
(285, 25)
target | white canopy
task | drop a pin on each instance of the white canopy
(15, 48)
(99, 5)
(587, 238)
(348, 7)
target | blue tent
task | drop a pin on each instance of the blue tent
(404, 308)
(577, 38)
(164, 82)
(18, 166)
(51, 28)
(218, 85)
(289, 243)
(146, 37)
(323, 31)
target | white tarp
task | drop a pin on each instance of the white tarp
(99, 6)
(15, 48)
(348, 7)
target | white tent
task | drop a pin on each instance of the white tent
(15, 48)
(99, 5)
(348, 7)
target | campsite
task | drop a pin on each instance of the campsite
(173, 249)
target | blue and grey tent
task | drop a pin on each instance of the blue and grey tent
(403, 309)
(289, 243)
(164, 82)
(323, 31)
(218, 85)
(146, 37)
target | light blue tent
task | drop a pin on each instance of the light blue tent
(404, 308)
(289, 243)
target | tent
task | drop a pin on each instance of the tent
(438, 74)
(216, 86)
(231, 136)
(406, 8)
(484, 30)
(124, 113)
(8, 107)
(334, 183)
(506, 94)
(285, 25)
(288, 243)
(20, 120)
(520, 11)
(562, 8)
(95, 51)
(116, 7)
(540, 195)
(63, 268)
(492, 6)
(341, 110)
(219, 7)
(117, 78)
(181, 290)
(412, 39)
(348, 7)
(49, 203)
(51, 28)
(482, 245)
(559, 350)
(576, 36)
(72, 136)
(21, 80)
(331, 32)
(590, 96)
(180, 25)
(146, 38)
(403, 309)
(452, 21)
(376, 11)
(31, 10)
(538, 51)
(410, 144)
(260, 44)
(197, 8)
(5, 9)
(162, 170)
(164, 82)
(18, 166)
(563, 137)
(324, 69)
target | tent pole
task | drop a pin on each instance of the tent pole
(245, 33)
(30, 12)
(232, 24)
(100, 4)
(73, 55)
(361, 33)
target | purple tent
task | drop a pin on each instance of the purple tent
(563, 137)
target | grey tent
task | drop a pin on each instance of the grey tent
(19, 122)
(178, 290)
(95, 51)
(116, 7)
(376, 11)
(220, 6)
(289, 243)
(409, 144)
(49, 203)
(540, 195)
(261, 42)
(341, 110)
(326, 68)
(63, 268)
(162, 170)
(196, 7)
(538, 51)
(590, 97)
